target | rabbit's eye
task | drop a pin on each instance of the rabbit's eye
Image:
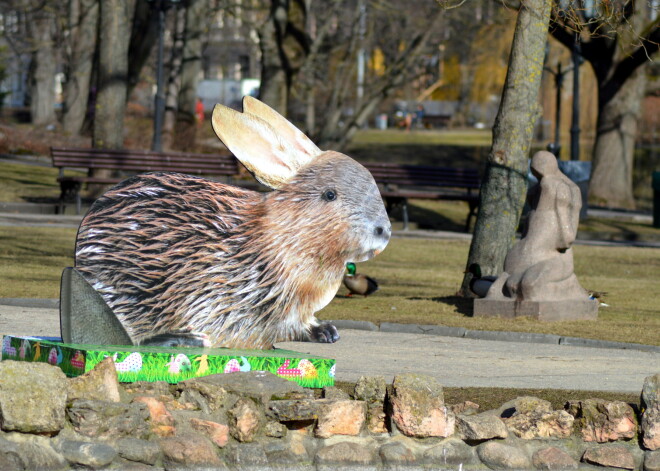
(329, 195)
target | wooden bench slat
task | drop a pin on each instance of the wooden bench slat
(134, 161)
(400, 182)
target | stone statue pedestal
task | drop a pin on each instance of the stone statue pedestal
(538, 279)
(568, 310)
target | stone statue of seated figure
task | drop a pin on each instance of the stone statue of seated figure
(540, 266)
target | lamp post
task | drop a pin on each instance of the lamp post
(575, 120)
(160, 6)
(555, 147)
(576, 58)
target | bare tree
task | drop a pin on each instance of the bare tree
(81, 44)
(618, 38)
(503, 191)
(198, 15)
(144, 34)
(30, 29)
(283, 41)
(174, 79)
(112, 80)
(330, 65)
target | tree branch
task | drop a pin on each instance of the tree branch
(650, 44)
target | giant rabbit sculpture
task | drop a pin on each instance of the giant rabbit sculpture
(183, 260)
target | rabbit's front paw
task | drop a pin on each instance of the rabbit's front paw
(324, 333)
(178, 339)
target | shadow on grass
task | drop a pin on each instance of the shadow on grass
(427, 219)
(462, 305)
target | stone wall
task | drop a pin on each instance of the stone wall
(259, 421)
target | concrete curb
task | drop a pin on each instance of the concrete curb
(425, 329)
(502, 336)
(39, 303)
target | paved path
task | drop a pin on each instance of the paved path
(454, 361)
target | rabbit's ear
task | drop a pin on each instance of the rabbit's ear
(288, 132)
(269, 146)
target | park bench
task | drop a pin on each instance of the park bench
(130, 162)
(431, 121)
(400, 182)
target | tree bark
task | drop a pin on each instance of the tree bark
(503, 190)
(617, 47)
(43, 66)
(83, 29)
(612, 173)
(114, 34)
(197, 14)
(174, 80)
(144, 35)
(112, 80)
(275, 67)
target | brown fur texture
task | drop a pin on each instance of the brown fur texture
(171, 252)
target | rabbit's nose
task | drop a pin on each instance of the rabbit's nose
(380, 230)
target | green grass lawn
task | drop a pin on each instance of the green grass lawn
(418, 280)
(31, 183)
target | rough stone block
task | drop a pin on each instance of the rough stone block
(498, 455)
(138, 450)
(347, 453)
(293, 410)
(190, 451)
(157, 411)
(94, 455)
(531, 425)
(602, 421)
(109, 420)
(247, 456)
(652, 461)
(542, 310)
(396, 454)
(451, 452)
(615, 456)
(217, 433)
(480, 427)
(371, 388)
(34, 453)
(340, 418)
(551, 458)
(245, 418)
(651, 416)
(100, 383)
(418, 407)
(259, 385)
(32, 397)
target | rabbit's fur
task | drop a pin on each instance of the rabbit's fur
(172, 253)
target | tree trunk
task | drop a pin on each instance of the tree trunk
(144, 35)
(612, 173)
(112, 80)
(114, 33)
(504, 187)
(42, 67)
(197, 14)
(275, 69)
(83, 29)
(174, 80)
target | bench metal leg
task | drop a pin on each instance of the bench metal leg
(473, 212)
(78, 203)
(404, 213)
